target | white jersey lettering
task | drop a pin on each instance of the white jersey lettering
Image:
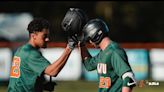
(102, 68)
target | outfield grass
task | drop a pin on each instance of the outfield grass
(89, 86)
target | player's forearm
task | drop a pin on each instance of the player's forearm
(126, 89)
(56, 67)
(84, 53)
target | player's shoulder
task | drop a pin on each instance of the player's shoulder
(28, 49)
(20, 51)
(116, 48)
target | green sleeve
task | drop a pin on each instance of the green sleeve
(91, 63)
(120, 63)
(37, 62)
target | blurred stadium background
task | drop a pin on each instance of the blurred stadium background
(137, 26)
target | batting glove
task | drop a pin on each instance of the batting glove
(72, 41)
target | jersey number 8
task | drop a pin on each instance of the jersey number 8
(15, 68)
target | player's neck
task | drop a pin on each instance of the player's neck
(32, 43)
(104, 43)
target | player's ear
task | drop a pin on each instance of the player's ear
(33, 36)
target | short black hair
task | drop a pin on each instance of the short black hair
(37, 25)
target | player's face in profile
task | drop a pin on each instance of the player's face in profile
(42, 38)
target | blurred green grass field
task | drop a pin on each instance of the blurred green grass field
(90, 86)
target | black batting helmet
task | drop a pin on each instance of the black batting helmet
(95, 30)
(74, 21)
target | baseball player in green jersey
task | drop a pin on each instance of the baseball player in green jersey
(28, 63)
(114, 71)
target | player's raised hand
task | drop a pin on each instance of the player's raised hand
(72, 41)
(72, 23)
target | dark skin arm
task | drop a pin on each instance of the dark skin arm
(57, 66)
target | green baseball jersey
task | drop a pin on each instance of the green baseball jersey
(28, 64)
(111, 64)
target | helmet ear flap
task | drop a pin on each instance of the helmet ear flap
(66, 25)
(66, 22)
